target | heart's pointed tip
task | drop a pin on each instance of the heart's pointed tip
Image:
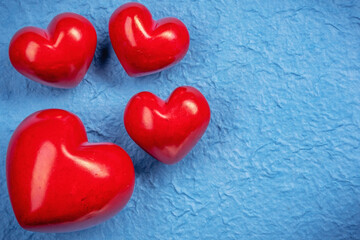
(170, 163)
(57, 86)
(55, 228)
(138, 75)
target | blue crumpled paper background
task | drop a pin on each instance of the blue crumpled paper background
(281, 156)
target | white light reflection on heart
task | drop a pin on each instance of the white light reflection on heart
(58, 40)
(191, 106)
(97, 170)
(75, 34)
(140, 27)
(147, 118)
(31, 51)
(129, 32)
(43, 164)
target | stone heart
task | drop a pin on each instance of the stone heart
(169, 129)
(143, 45)
(58, 56)
(59, 182)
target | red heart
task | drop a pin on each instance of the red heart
(59, 182)
(169, 129)
(145, 46)
(59, 56)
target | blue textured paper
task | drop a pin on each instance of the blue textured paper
(281, 156)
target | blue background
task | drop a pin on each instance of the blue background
(280, 158)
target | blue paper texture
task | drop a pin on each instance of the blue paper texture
(280, 158)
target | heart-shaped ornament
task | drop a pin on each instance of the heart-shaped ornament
(58, 56)
(57, 181)
(169, 129)
(143, 45)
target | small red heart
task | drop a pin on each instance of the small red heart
(58, 56)
(143, 45)
(169, 129)
(59, 182)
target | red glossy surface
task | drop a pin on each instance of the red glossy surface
(58, 56)
(59, 182)
(143, 45)
(169, 129)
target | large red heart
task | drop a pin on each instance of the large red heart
(143, 45)
(59, 56)
(59, 182)
(169, 129)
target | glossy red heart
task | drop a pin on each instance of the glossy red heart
(169, 129)
(143, 45)
(58, 56)
(59, 182)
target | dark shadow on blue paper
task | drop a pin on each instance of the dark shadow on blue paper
(102, 54)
